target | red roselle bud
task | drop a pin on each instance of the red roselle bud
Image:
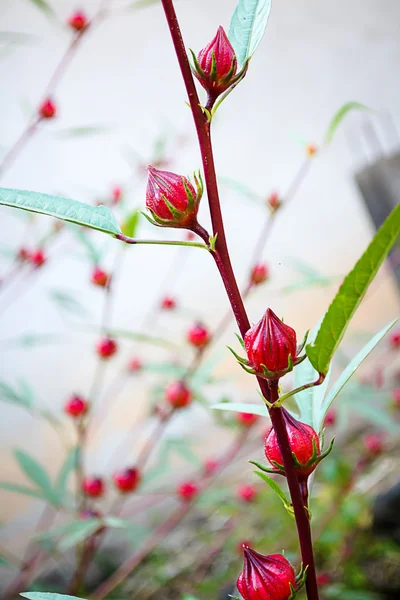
(106, 347)
(126, 480)
(210, 465)
(271, 347)
(38, 258)
(168, 303)
(198, 335)
(47, 109)
(395, 339)
(78, 21)
(373, 443)
(100, 277)
(190, 236)
(330, 418)
(178, 394)
(172, 199)
(266, 577)
(93, 487)
(396, 397)
(274, 201)
(247, 493)
(117, 194)
(216, 65)
(135, 365)
(246, 419)
(259, 274)
(187, 491)
(304, 444)
(324, 579)
(76, 407)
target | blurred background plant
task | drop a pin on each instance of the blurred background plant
(112, 362)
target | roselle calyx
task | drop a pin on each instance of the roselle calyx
(216, 66)
(172, 199)
(266, 577)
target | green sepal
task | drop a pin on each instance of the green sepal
(177, 214)
(242, 361)
(301, 346)
(267, 469)
(240, 339)
(213, 72)
(212, 241)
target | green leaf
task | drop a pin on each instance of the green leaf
(66, 301)
(252, 409)
(350, 370)
(95, 217)
(351, 293)
(339, 116)
(47, 596)
(141, 4)
(35, 472)
(21, 489)
(61, 485)
(44, 6)
(274, 486)
(15, 396)
(140, 337)
(247, 27)
(83, 130)
(78, 532)
(130, 225)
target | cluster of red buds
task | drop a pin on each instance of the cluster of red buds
(126, 481)
(37, 258)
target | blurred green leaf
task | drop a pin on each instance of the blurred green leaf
(21, 489)
(339, 116)
(37, 474)
(351, 293)
(82, 236)
(61, 485)
(78, 532)
(66, 300)
(44, 6)
(141, 4)
(29, 340)
(130, 225)
(83, 131)
(252, 409)
(95, 217)
(241, 188)
(247, 27)
(22, 396)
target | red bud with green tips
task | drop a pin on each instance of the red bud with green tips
(266, 577)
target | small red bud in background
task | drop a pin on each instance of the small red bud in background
(106, 347)
(330, 418)
(373, 444)
(274, 201)
(38, 258)
(324, 579)
(126, 480)
(247, 493)
(216, 64)
(168, 303)
(246, 419)
(100, 277)
(78, 21)
(172, 199)
(259, 274)
(117, 194)
(135, 365)
(47, 109)
(396, 397)
(93, 487)
(76, 407)
(302, 439)
(187, 491)
(265, 577)
(190, 236)
(178, 394)
(395, 339)
(198, 335)
(210, 465)
(270, 342)
(311, 150)
(23, 255)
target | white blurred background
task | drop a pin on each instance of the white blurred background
(315, 56)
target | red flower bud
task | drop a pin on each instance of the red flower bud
(168, 303)
(216, 65)
(106, 347)
(23, 255)
(395, 339)
(135, 365)
(47, 109)
(198, 335)
(396, 397)
(304, 444)
(187, 491)
(373, 443)
(100, 277)
(246, 419)
(178, 394)
(117, 194)
(270, 346)
(324, 579)
(259, 274)
(93, 487)
(210, 465)
(76, 407)
(266, 577)
(172, 199)
(311, 150)
(38, 258)
(274, 201)
(190, 236)
(78, 21)
(126, 480)
(247, 493)
(330, 418)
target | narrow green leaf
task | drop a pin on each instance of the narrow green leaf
(252, 409)
(339, 116)
(61, 485)
(35, 472)
(247, 27)
(83, 131)
(350, 370)
(351, 293)
(21, 489)
(66, 301)
(95, 217)
(274, 486)
(130, 225)
(13, 396)
(44, 6)
(141, 4)
(78, 532)
(141, 337)
(47, 596)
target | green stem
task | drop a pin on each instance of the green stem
(129, 240)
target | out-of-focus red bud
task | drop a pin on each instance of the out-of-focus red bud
(304, 444)
(324, 579)
(172, 199)
(38, 258)
(396, 397)
(330, 418)
(168, 303)
(117, 193)
(248, 493)
(23, 255)
(210, 465)
(178, 394)
(311, 150)
(374, 444)
(216, 65)
(135, 365)
(47, 110)
(78, 21)
(259, 274)
(76, 407)
(274, 201)
(106, 347)
(190, 236)
(127, 480)
(100, 277)
(187, 491)
(93, 487)
(246, 419)
(266, 577)
(198, 335)
(395, 339)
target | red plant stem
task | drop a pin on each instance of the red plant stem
(222, 259)
(166, 526)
